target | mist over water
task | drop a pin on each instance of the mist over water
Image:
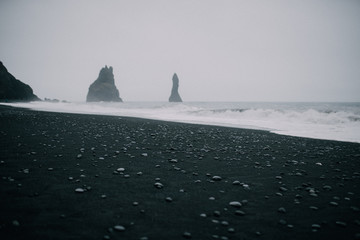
(332, 121)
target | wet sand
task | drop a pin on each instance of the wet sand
(69, 176)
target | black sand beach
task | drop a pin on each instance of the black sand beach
(144, 179)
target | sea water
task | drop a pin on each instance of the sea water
(332, 121)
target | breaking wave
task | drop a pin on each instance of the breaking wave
(333, 121)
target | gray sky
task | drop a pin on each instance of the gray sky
(222, 50)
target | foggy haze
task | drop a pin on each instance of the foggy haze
(221, 50)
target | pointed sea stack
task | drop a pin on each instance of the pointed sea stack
(104, 89)
(175, 97)
(12, 89)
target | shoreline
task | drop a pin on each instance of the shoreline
(270, 187)
(193, 122)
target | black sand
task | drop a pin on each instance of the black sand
(289, 188)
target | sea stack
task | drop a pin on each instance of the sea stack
(12, 89)
(175, 97)
(104, 89)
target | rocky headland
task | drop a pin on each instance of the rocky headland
(104, 89)
(12, 89)
(175, 96)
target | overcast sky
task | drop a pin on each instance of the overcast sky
(222, 50)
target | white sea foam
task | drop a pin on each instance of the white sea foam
(333, 121)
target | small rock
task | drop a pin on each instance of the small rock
(169, 199)
(119, 228)
(187, 235)
(316, 226)
(239, 213)
(282, 210)
(16, 223)
(236, 183)
(235, 204)
(158, 185)
(79, 190)
(216, 178)
(342, 224)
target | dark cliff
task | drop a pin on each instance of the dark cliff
(12, 89)
(175, 96)
(104, 89)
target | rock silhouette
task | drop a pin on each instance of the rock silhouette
(104, 89)
(12, 89)
(175, 97)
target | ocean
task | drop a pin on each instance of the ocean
(331, 121)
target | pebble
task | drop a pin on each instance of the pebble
(203, 215)
(79, 190)
(120, 169)
(217, 213)
(342, 224)
(236, 183)
(168, 199)
(187, 235)
(216, 178)
(282, 210)
(119, 228)
(144, 154)
(16, 223)
(316, 226)
(158, 185)
(334, 204)
(235, 204)
(239, 213)
(282, 222)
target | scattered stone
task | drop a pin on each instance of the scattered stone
(168, 199)
(158, 185)
(217, 213)
(236, 183)
(282, 222)
(235, 204)
(316, 226)
(187, 235)
(16, 223)
(203, 215)
(216, 178)
(340, 223)
(79, 190)
(239, 213)
(119, 228)
(282, 210)
(334, 204)
(120, 169)
(224, 223)
(144, 154)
